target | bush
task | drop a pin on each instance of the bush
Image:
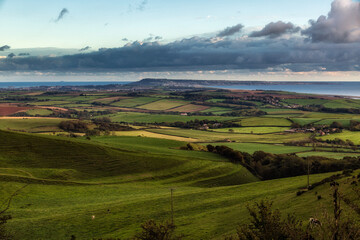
(157, 231)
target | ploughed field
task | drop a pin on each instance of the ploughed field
(103, 182)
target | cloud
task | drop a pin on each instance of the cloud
(137, 5)
(142, 5)
(328, 50)
(276, 29)
(62, 14)
(85, 49)
(157, 38)
(148, 39)
(4, 48)
(341, 25)
(125, 40)
(199, 53)
(230, 30)
(11, 55)
(24, 54)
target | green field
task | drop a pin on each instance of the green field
(151, 118)
(253, 130)
(217, 110)
(353, 136)
(163, 105)
(124, 181)
(271, 148)
(265, 121)
(189, 108)
(206, 136)
(335, 155)
(31, 124)
(104, 184)
(305, 121)
(306, 101)
(134, 102)
(40, 112)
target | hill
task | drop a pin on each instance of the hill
(108, 186)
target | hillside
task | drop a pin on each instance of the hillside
(123, 181)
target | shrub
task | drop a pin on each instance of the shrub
(152, 230)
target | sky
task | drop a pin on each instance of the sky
(131, 39)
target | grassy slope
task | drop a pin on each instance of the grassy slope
(31, 124)
(70, 180)
(56, 212)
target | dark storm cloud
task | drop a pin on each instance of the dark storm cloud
(85, 49)
(342, 25)
(230, 30)
(62, 14)
(201, 54)
(276, 29)
(4, 48)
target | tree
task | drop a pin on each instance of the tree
(268, 224)
(336, 125)
(295, 125)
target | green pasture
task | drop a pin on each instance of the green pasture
(163, 105)
(206, 136)
(336, 155)
(345, 135)
(106, 187)
(253, 130)
(40, 112)
(31, 124)
(270, 148)
(265, 121)
(132, 117)
(134, 102)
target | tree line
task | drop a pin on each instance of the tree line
(272, 166)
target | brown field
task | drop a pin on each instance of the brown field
(7, 109)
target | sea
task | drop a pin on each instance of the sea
(351, 89)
